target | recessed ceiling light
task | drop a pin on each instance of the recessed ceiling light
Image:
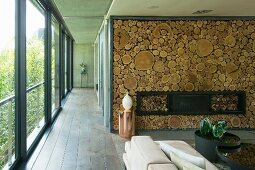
(204, 11)
(153, 7)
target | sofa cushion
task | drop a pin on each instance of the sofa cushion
(126, 161)
(194, 167)
(181, 145)
(149, 150)
(168, 149)
(127, 146)
(182, 164)
(190, 150)
(128, 149)
(144, 152)
(162, 167)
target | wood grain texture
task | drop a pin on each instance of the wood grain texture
(78, 139)
(144, 60)
(184, 56)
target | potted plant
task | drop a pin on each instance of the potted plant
(210, 135)
(216, 130)
(83, 68)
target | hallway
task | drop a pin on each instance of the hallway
(78, 140)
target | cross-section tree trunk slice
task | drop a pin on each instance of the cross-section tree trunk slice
(161, 28)
(189, 87)
(159, 66)
(204, 47)
(174, 121)
(235, 121)
(130, 83)
(123, 38)
(230, 41)
(126, 59)
(144, 60)
(175, 78)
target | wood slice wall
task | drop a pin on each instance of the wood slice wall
(183, 56)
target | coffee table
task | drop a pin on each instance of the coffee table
(242, 158)
(206, 145)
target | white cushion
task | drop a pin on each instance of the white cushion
(168, 149)
(128, 149)
(148, 149)
(181, 145)
(125, 159)
(127, 146)
(162, 167)
(182, 164)
(144, 151)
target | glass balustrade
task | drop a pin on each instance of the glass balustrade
(35, 70)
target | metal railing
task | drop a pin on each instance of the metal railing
(8, 148)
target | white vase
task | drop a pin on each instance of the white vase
(127, 102)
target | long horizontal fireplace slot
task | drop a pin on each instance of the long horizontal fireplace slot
(186, 103)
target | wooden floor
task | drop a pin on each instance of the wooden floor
(78, 140)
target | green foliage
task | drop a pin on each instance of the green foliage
(35, 98)
(216, 130)
(35, 61)
(205, 126)
(83, 68)
(4, 121)
(6, 73)
(219, 128)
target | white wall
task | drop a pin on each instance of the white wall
(96, 73)
(83, 53)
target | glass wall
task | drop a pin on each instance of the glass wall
(55, 66)
(24, 62)
(70, 65)
(35, 70)
(7, 85)
(66, 62)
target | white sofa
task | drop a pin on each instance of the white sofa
(142, 153)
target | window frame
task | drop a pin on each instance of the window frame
(21, 152)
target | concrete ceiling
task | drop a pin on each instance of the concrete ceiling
(84, 17)
(182, 7)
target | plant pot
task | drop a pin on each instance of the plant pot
(206, 145)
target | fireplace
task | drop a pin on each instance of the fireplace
(189, 103)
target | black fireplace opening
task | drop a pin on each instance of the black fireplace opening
(191, 103)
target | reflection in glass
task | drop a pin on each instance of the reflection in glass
(55, 65)
(66, 55)
(7, 89)
(35, 59)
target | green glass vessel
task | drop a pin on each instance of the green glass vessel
(219, 128)
(205, 126)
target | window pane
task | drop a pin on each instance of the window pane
(70, 65)
(35, 70)
(71, 56)
(66, 55)
(7, 104)
(55, 65)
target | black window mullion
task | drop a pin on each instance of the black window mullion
(21, 152)
(71, 64)
(59, 65)
(20, 81)
(68, 64)
(63, 64)
(47, 85)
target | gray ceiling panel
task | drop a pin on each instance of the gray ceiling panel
(83, 17)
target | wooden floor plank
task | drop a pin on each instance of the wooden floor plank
(78, 140)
